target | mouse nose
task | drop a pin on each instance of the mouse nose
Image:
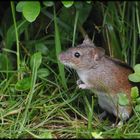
(62, 56)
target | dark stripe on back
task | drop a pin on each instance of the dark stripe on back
(119, 62)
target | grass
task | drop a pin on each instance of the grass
(121, 30)
(58, 50)
(17, 39)
(53, 106)
(52, 113)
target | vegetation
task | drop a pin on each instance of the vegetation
(38, 97)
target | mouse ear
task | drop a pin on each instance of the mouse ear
(87, 41)
(98, 53)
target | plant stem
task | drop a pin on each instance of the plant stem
(81, 29)
(75, 25)
(138, 24)
(134, 39)
(29, 98)
(17, 39)
(58, 50)
(137, 16)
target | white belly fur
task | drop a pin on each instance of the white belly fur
(109, 104)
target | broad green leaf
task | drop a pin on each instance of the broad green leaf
(137, 69)
(66, 29)
(137, 108)
(3, 61)
(23, 66)
(10, 36)
(23, 84)
(19, 6)
(31, 10)
(96, 135)
(36, 60)
(67, 4)
(138, 100)
(46, 135)
(134, 77)
(48, 3)
(134, 92)
(41, 47)
(84, 10)
(122, 99)
(43, 72)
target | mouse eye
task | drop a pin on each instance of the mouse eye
(77, 54)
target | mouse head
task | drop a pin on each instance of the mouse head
(84, 56)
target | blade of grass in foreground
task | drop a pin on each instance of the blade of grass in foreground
(75, 26)
(58, 50)
(35, 62)
(17, 39)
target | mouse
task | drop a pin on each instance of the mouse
(105, 75)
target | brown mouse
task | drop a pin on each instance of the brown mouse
(106, 75)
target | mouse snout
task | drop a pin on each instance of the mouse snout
(62, 56)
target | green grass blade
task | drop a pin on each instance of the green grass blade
(75, 25)
(17, 38)
(35, 62)
(58, 50)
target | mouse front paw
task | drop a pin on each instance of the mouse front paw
(84, 86)
(102, 115)
(78, 82)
